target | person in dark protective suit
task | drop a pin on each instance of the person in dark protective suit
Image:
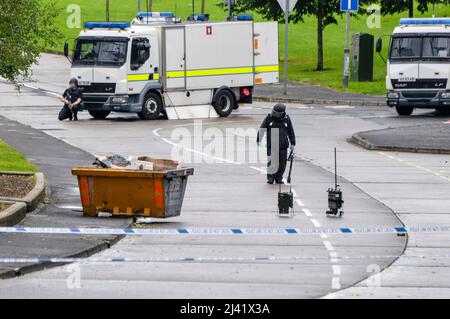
(72, 98)
(277, 124)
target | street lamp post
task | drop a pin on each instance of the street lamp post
(347, 53)
(286, 39)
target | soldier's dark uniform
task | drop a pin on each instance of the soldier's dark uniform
(279, 120)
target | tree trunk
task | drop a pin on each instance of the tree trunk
(411, 8)
(319, 41)
(107, 10)
(203, 7)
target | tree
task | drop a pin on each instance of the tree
(107, 10)
(203, 7)
(27, 27)
(325, 11)
(397, 6)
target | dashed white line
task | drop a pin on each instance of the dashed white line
(336, 283)
(315, 222)
(333, 256)
(300, 202)
(336, 270)
(328, 245)
(307, 212)
(398, 159)
(261, 170)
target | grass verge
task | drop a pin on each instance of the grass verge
(303, 37)
(11, 160)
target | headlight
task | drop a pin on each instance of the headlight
(445, 95)
(120, 100)
(393, 95)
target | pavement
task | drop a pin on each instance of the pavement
(380, 189)
(312, 94)
(426, 138)
(55, 159)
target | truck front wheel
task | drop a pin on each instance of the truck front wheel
(99, 115)
(224, 103)
(405, 110)
(152, 108)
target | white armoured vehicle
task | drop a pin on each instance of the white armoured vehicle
(158, 65)
(419, 65)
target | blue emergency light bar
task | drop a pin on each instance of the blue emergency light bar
(106, 25)
(244, 17)
(425, 21)
(198, 17)
(155, 14)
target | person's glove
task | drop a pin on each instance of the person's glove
(292, 148)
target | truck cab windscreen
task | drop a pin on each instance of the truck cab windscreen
(100, 52)
(420, 48)
(406, 48)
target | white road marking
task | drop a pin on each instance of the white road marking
(261, 170)
(336, 283)
(315, 222)
(300, 202)
(218, 159)
(398, 159)
(335, 280)
(72, 207)
(333, 256)
(336, 270)
(328, 245)
(156, 132)
(338, 107)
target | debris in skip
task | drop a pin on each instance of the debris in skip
(132, 187)
(143, 163)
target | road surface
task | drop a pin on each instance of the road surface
(380, 189)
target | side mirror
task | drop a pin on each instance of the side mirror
(379, 46)
(66, 50)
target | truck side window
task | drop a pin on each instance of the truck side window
(140, 52)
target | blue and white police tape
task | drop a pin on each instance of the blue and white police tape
(222, 259)
(202, 231)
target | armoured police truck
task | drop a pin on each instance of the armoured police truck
(418, 68)
(158, 65)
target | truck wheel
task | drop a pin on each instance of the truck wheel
(99, 115)
(404, 111)
(224, 103)
(152, 107)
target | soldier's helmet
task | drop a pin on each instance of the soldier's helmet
(279, 111)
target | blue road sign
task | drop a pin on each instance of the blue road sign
(349, 5)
